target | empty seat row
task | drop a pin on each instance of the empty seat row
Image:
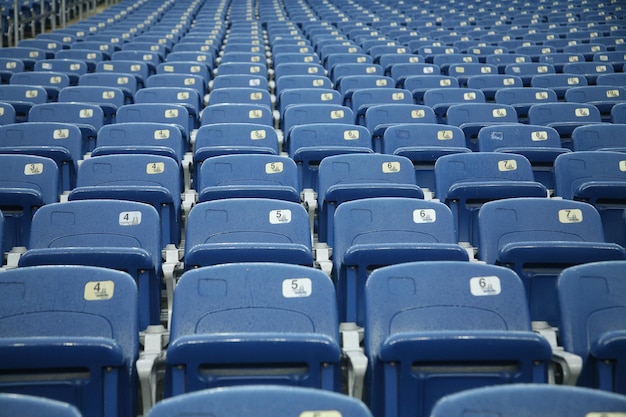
(276, 324)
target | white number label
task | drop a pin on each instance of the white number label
(33, 169)
(424, 216)
(297, 287)
(60, 133)
(155, 168)
(570, 216)
(274, 168)
(507, 165)
(280, 216)
(129, 218)
(391, 167)
(161, 134)
(257, 134)
(99, 290)
(483, 286)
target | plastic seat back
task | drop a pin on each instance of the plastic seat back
(150, 179)
(418, 329)
(236, 401)
(89, 363)
(365, 238)
(538, 238)
(355, 176)
(124, 235)
(465, 181)
(536, 399)
(591, 298)
(598, 178)
(284, 318)
(248, 175)
(539, 144)
(247, 230)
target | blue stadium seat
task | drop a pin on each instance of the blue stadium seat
(443, 61)
(423, 144)
(560, 83)
(299, 114)
(70, 333)
(539, 400)
(152, 59)
(616, 78)
(52, 81)
(279, 326)
(535, 51)
(243, 95)
(348, 84)
(27, 55)
(269, 400)
(618, 113)
(600, 137)
(22, 97)
(502, 60)
(598, 178)
(418, 84)
(464, 71)
(139, 46)
(248, 176)
(185, 67)
(228, 138)
(298, 68)
(8, 67)
(244, 68)
(539, 144)
(150, 179)
(587, 49)
(106, 48)
(615, 58)
(187, 97)
(558, 59)
(141, 137)
(27, 182)
(193, 81)
(400, 72)
(439, 99)
(343, 70)
(108, 98)
(564, 117)
(538, 238)
(240, 80)
(247, 230)
(124, 81)
(89, 118)
(309, 144)
(604, 97)
(61, 142)
(591, 298)
(527, 70)
(174, 114)
(122, 235)
(355, 176)
(471, 117)
(74, 68)
(33, 406)
(589, 70)
(364, 98)
(521, 98)
(465, 181)
(490, 84)
(139, 69)
(367, 237)
(301, 81)
(195, 57)
(237, 113)
(293, 96)
(436, 328)
(381, 116)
